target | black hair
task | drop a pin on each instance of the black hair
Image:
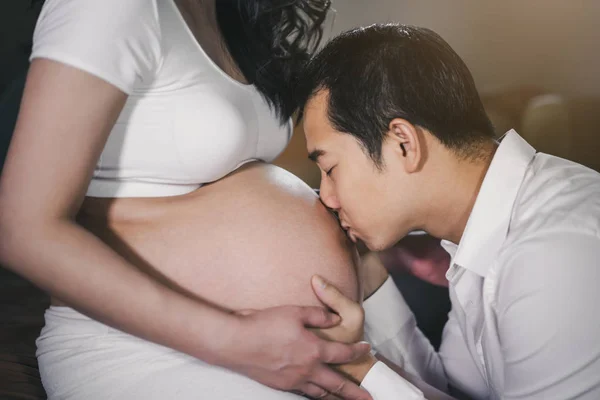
(375, 74)
(271, 41)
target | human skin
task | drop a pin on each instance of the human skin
(264, 231)
(60, 133)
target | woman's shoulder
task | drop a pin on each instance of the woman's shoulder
(119, 41)
(112, 13)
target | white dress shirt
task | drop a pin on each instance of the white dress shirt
(524, 285)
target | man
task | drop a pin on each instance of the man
(394, 121)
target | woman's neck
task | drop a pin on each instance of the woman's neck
(201, 18)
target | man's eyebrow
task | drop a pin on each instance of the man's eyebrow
(315, 154)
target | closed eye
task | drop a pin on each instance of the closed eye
(328, 172)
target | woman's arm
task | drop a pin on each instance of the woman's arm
(64, 121)
(65, 118)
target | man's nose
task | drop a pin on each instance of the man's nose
(328, 196)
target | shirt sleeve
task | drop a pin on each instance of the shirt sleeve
(548, 319)
(115, 40)
(391, 328)
(384, 384)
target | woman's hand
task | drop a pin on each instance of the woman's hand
(349, 330)
(274, 347)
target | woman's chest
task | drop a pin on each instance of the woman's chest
(190, 122)
(193, 135)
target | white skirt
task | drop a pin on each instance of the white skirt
(80, 358)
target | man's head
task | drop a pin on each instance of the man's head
(383, 105)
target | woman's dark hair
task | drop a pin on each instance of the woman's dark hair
(271, 41)
(378, 73)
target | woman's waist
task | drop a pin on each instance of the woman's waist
(252, 240)
(216, 244)
(249, 184)
(121, 188)
(163, 237)
(125, 202)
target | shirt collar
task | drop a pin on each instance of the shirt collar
(488, 223)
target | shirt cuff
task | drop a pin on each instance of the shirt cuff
(384, 384)
(386, 313)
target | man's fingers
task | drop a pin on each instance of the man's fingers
(341, 353)
(318, 317)
(313, 391)
(331, 296)
(339, 386)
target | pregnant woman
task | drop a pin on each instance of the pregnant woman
(264, 232)
(130, 108)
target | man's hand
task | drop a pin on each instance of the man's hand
(349, 330)
(275, 348)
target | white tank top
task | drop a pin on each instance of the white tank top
(185, 123)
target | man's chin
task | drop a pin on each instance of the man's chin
(371, 244)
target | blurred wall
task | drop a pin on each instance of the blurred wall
(553, 43)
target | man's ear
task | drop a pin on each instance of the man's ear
(407, 144)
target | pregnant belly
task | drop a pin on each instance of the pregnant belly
(251, 240)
